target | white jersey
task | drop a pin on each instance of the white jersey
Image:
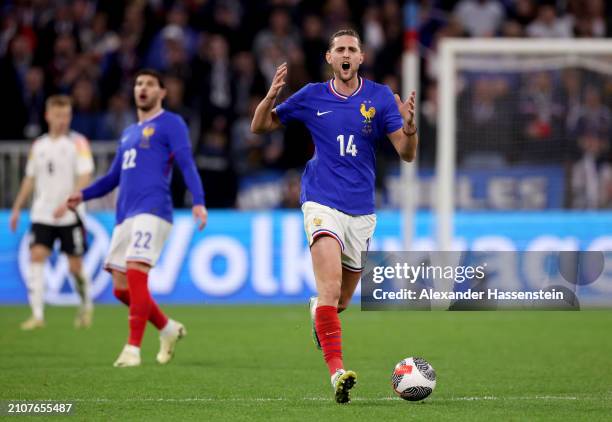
(55, 164)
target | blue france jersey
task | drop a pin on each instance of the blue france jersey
(146, 153)
(345, 130)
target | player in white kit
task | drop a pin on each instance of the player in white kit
(59, 163)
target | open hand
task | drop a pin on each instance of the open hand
(406, 108)
(14, 221)
(60, 210)
(74, 200)
(278, 82)
(200, 214)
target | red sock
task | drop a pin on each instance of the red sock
(329, 331)
(156, 316)
(140, 305)
(123, 295)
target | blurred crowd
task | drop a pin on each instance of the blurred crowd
(219, 56)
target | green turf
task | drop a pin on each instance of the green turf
(258, 363)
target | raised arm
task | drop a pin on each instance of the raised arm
(406, 139)
(265, 119)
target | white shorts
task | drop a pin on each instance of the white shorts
(140, 238)
(353, 232)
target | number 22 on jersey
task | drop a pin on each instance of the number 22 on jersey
(129, 159)
(351, 148)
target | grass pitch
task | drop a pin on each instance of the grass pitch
(258, 363)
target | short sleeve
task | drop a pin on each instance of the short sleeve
(392, 120)
(84, 161)
(290, 109)
(30, 169)
(178, 134)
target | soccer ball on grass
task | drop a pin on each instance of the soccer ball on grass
(413, 379)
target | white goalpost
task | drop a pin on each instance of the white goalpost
(514, 57)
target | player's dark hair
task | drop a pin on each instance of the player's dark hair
(151, 72)
(349, 32)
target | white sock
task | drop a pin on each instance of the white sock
(36, 289)
(132, 349)
(335, 375)
(169, 328)
(82, 285)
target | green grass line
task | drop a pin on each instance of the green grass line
(258, 363)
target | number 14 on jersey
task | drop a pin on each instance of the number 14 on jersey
(351, 148)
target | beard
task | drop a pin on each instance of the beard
(352, 74)
(146, 105)
(347, 75)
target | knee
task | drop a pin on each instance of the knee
(75, 268)
(38, 255)
(329, 297)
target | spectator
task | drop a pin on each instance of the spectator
(13, 71)
(34, 102)
(64, 59)
(481, 137)
(523, 12)
(373, 33)
(595, 117)
(246, 81)
(279, 33)
(213, 75)
(218, 56)
(252, 152)
(98, 39)
(86, 117)
(119, 67)
(215, 167)
(592, 174)
(571, 92)
(480, 18)
(549, 25)
(176, 34)
(542, 114)
(314, 47)
(118, 116)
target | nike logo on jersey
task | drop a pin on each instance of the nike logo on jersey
(322, 113)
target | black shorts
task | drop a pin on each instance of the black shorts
(73, 239)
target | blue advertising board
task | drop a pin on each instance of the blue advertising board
(262, 257)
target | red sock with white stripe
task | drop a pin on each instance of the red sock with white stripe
(156, 316)
(329, 331)
(140, 305)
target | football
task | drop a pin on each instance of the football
(413, 379)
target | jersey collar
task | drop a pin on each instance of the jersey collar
(344, 97)
(156, 115)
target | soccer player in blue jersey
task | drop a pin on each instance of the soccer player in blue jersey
(346, 116)
(142, 170)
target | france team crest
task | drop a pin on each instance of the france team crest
(368, 113)
(147, 132)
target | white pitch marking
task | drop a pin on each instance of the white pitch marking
(287, 399)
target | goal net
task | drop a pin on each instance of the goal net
(523, 125)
